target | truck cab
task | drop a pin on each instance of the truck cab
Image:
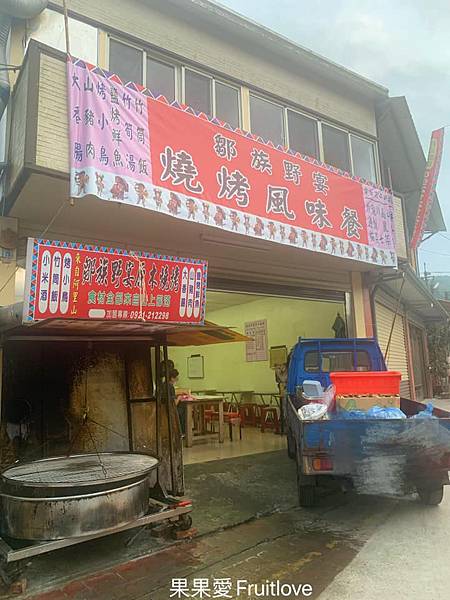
(316, 358)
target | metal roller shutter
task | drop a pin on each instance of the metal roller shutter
(397, 359)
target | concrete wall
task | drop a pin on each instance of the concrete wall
(18, 122)
(225, 364)
(52, 146)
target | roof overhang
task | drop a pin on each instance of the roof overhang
(403, 154)
(93, 330)
(414, 295)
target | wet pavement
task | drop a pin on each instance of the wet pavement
(348, 547)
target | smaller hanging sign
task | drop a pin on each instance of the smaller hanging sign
(68, 280)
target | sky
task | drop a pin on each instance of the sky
(401, 44)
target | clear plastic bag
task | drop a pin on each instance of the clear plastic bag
(313, 411)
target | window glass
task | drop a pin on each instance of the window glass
(302, 134)
(161, 78)
(266, 120)
(335, 148)
(227, 104)
(337, 361)
(197, 91)
(362, 361)
(125, 61)
(312, 362)
(363, 158)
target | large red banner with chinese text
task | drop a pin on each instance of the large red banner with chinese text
(128, 146)
(428, 186)
(75, 281)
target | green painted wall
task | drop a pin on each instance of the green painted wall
(225, 366)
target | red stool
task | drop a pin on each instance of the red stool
(231, 415)
(250, 413)
(269, 419)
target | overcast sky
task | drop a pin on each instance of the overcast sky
(401, 44)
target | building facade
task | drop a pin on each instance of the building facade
(200, 54)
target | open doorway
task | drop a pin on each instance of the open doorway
(244, 374)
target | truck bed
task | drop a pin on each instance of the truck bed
(379, 456)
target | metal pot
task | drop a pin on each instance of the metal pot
(76, 516)
(73, 496)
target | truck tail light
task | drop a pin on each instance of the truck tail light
(322, 464)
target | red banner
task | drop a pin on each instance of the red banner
(128, 146)
(429, 185)
(72, 281)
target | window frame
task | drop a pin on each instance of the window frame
(319, 123)
(131, 45)
(180, 95)
(174, 65)
(148, 54)
(374, 144)
(234, 87)
(213, 81)
(185, 68)
(269, 101)
(318, 127)
(343, 130)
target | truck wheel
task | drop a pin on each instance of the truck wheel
(307, 495)
(431, 496)
(291, 450)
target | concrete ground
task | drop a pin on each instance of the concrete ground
(250, 528)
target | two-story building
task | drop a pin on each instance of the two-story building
(233, 70)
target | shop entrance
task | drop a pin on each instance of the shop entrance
(246, 375)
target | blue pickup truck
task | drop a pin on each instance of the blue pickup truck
(390, 457)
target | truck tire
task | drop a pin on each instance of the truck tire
(291, 449)
(307, 495)
(431, 496)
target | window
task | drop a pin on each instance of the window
(362, 361)
(125, 61)
(161, 78)
(266, 119)
(302, 134)
(197, 91)
(227, 103)
(363, 158)
(312, 364)
(343, 360)
(336, 150)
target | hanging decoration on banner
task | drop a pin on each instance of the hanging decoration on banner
(128, 146)
(429, 185)
(68, 280)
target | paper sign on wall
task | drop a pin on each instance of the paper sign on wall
(257, 349)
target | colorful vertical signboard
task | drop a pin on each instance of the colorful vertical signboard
(429, 185)
(128, 146)
(67, 280)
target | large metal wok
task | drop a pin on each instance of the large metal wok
(72, 496)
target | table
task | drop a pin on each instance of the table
(201, 402)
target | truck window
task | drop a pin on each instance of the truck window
(341, 360)
(312, 362)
